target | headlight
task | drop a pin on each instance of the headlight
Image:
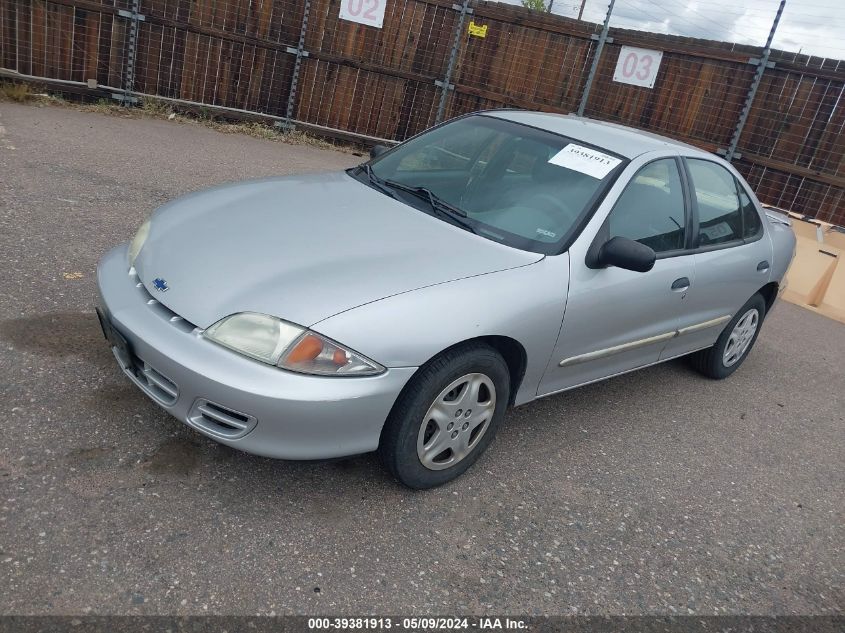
(138, 242)
(258, 336)
(288, 346)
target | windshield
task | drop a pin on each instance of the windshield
(508, 182)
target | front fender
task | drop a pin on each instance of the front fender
(408, 329)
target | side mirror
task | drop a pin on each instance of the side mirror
(628, 254)
(377, 150)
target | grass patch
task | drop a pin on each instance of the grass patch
(272, 133)
(101, 106)
(14, 91)
(155, 108)
(178, 113)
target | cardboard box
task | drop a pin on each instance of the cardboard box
(816, 278)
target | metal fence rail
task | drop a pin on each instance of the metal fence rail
(780, 120)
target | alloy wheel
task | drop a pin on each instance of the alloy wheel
(741, 337)
(456, 421)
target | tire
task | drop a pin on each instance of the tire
(714, 362)
(435, 411)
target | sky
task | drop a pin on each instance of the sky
(815, 27)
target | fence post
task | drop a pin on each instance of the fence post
(134, 16)
(762, 64)
(300, 52)
(596, 58)
(446, 85)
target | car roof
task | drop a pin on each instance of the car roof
(625, 141)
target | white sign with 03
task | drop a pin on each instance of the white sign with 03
(637, 66)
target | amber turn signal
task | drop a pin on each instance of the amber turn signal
(307, 349)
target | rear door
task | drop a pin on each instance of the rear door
(732, 254)
(617, 320)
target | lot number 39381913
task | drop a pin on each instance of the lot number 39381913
(369, 12)
(637, 66)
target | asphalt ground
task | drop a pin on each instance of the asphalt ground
(655, 492)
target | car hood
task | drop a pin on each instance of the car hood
(303, 248)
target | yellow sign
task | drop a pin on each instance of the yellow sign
(477, 29)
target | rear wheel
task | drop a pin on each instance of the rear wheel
(734, 343)
(446, 416)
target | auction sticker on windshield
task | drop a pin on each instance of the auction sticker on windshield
(585, 160)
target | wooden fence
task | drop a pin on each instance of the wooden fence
(388, 82)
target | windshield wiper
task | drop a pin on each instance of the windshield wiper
(377, 182)
(452, 213)
(448, 211)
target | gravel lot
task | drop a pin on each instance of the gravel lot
(655, 492)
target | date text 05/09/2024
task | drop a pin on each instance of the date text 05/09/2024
(417, 623)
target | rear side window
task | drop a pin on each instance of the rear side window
(751, 224)
(651, 209)
(719, 213)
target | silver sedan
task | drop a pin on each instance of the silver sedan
(404, 304)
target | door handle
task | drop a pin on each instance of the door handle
(763, 266)
(680, 284)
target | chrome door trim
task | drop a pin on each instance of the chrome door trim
(625, 347)
(704, 325)
(619, 373)
(617, 349)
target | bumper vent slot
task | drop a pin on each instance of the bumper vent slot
(152, 382)
(164, 388)
(220, 421)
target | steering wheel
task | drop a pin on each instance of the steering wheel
(472, 185)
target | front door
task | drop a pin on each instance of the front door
(617, 320)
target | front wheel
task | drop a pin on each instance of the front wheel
(446, 416)
(734, 343)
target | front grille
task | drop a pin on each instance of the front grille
(158, 308)
(219, 420)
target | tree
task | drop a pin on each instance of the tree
(534, 5)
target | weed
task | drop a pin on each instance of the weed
(13, 91)
(161, 109)
(156, 107)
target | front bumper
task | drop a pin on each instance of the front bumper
(232, 399)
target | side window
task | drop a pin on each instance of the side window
(751, 223)
(719, 213)
(651, 209)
